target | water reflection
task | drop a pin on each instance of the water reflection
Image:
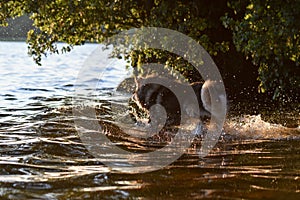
(42, 156)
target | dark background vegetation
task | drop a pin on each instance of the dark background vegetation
(17, 29)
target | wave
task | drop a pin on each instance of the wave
(235, 127)
(254, 127)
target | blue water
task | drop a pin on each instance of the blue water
(27, 88)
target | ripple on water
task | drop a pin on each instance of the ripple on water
(37, 89)
(45, 154)
(42, 157)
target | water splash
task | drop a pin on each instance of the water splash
(254, 127)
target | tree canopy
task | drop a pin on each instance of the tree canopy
(235, 33)
(269, 34)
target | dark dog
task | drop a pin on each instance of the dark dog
(148, 93)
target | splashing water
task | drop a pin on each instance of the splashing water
(254, 127)
(42, 157)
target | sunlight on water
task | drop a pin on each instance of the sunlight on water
(42, 156)
(253, 127)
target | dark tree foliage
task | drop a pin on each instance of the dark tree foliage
(264, 32)
(268, 33)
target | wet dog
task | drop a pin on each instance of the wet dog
(161, 103)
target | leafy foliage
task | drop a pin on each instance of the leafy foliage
(76, 22)
(267, 32)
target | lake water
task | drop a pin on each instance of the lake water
(42, 156)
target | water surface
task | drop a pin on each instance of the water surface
(42, 156)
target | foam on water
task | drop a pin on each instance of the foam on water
(254, 127)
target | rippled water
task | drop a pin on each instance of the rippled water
(42, 156)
